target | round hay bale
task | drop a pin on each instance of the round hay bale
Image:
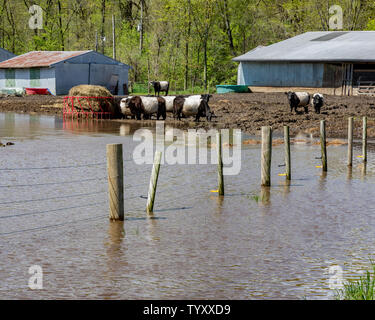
(86, 90)
(107, 104)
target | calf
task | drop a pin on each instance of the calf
(125, 111)
(160, 86)
(146, 106)
(317, 102)
(298, 99)
(196, 105)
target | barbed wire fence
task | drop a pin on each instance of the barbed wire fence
(42, 208)
(134, 180)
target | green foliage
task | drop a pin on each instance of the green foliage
(190, 43)
(362, 289)
(371, 25)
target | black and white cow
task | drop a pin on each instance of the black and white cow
(160, 86)
(147, 106)
(125, 111)
(317, 102)
(196, 105)
(298, 99)
(169, 102)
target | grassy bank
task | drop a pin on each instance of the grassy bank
(361, 289)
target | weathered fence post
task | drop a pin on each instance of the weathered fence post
(287, 152)
(323, 144)
(219, 164)
(153, 183)
(350, 141)
(364, 139)
(115, 181)
(266, 156)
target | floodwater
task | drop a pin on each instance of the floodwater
(251, 244)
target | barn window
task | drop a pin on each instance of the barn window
(35, 77)
(10, 78)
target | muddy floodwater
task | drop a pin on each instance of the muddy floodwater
(252, 244)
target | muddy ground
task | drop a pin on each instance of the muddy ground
(246, 111)
(43, 104)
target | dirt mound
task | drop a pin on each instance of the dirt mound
(106, 104)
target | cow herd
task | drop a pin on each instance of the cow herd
(304, 99)
(196, 105)
(181, 106)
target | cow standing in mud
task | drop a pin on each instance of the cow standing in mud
(147, 106)
(317, 102)
(160, 86)
(298, 99)
(169, 103)
(125, 111)
(196, 105)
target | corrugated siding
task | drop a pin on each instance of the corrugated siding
(101, 75)
(281, 74)
(35, 59)
(23, 79)
(69, 75)
(93, 57)
(90, 68)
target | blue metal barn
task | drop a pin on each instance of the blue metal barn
(313, 59)
(59, 71)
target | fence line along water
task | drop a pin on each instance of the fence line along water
(115, 172)
(266, 150)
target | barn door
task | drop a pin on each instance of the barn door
(113, 84)
(347, 79)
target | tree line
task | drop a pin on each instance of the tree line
(187, 42)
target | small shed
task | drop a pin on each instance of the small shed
(5, 54)
(59, 71)
(323, 59)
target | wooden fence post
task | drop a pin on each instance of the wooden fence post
(287, 152)
(364, 139)
(323, 144)
(153, 183)
(350, 141)
(266, 156)
(115, 181)
(219, 164)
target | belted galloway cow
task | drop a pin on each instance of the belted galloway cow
(147, 106)
(160, 86)
(196, 105)
(298, 99)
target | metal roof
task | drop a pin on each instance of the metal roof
(40, 59)
(6, 51)
(320, 46)
(5, 54)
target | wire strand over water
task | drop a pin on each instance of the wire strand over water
(48, 211)
(53, 198)
(51, 168)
